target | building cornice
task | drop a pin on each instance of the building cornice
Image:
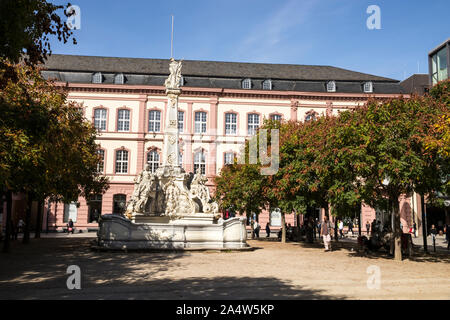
(216, 93)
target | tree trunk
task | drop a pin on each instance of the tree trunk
(47, 215)
(359, 220)
(37, 234)
(26, 229)
(424, 224)
(252, 226)
(336, 235)
(397, 231)
(283, 228)
(7, 241)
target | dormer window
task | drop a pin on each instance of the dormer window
(97, 77)
(331, 86)
(247, 84)
(267, 84)
(368, 87)
(119, 78)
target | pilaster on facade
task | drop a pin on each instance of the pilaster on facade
(294, 106)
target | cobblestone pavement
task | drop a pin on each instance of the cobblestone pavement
(272, 271)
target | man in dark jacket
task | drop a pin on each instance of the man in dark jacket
(268, 230)
(70, 227)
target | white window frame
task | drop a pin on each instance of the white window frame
(101, 164)
(331, 86)
(200, 162)
(226, 159)
(119, 78)
(230, 123)
(180, 123)
(100, 118)
(123, 120)
(153, 160)
(97, 77)
(121, 161)
(247, 83)
(70, 212)
(252, 125)
(267, 84)
(200, 122)
(154, 122)
(273, 116)
(368, 87)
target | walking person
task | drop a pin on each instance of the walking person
(20, 226)
(256, 227)
(368, 228)
(268, 230)
(325, 231)
(415, 229)
(341, 228)
(433, 233)
(13, 229)
(318, 226)
(350, 227)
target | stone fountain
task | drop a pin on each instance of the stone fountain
(169, 209)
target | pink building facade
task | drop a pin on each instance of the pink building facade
(220, 106)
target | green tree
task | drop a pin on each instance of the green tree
(26, 27)
(384, 143)
(47, 148)
(238, 186)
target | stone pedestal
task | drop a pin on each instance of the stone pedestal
(178, 217)
(119, 233)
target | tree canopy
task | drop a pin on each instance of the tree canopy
(47, 147)
(371, 154)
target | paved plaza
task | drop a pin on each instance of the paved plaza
(271, 271)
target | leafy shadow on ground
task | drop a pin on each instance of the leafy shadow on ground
(38, 271)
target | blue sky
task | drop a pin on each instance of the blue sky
(313, 32)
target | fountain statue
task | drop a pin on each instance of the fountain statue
(163, 212)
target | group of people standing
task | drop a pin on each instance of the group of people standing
(16, 229)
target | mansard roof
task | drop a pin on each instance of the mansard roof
(214, 74)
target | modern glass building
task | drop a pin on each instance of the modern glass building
(439, 62)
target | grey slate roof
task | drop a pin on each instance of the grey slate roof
(214, 74)
(417, 83)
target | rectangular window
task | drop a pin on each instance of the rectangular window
(154, 121)
(229, 158)
(200, 162)
(121, 161)
(94, 208)
(70, 212)
(368, 87)
(275, 117)
(123, 120)
(200, 122)
(101, 164)
(230, 123)
(331, 86)
(119, 203)
(100, 119)
(253, 123)
(442, 64)
(180, 121)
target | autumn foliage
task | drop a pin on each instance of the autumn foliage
(372, 154)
